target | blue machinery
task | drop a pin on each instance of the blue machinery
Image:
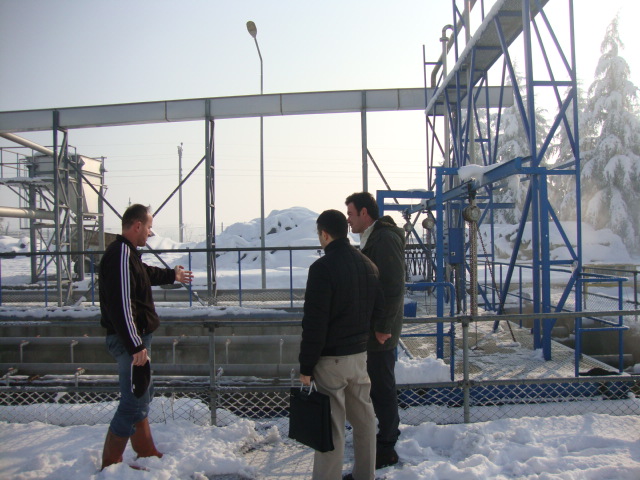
(469, 135)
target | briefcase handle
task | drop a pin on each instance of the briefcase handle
(312, 387)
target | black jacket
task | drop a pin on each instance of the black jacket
(342, 298)
(385, 248)
(126, 302)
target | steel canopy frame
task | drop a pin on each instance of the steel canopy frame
(62, 120)
(468, 125)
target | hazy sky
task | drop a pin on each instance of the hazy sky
(62, 53)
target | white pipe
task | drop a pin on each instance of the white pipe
(27, 143)
(15, 212)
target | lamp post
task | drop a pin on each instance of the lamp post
(180, 224)
(253, 31)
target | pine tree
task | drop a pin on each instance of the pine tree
(513, 143)
(610, 173)
(562, 188)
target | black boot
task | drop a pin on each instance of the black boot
(385, 457)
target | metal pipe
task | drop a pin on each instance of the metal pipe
(15, 212)
(23, 343)
(269, 370)
(73, 344)
(446, 44)
(26, 143)
(7, 376)
(465, 369)
(274, 340)
(175, 342)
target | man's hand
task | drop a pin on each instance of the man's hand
(182, 275)
(140, 358)
(382, 337)
(305, 380)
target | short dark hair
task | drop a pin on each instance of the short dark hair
(334, 223)
(134, 213)
(362, 200)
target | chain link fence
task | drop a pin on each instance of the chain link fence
(444, 403)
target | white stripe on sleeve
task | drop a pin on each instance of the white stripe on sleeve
(125, 280)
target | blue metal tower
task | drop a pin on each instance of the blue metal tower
(465, 171)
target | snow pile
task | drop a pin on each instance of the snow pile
(293, 227)
(11, 244)
(421, 370)
(598, 246)
(475, 172)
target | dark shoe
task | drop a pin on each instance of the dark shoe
(113, 449)
(142, 441)
(348, 476)
(386, 458)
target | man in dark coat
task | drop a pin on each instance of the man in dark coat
(130, 317)
(383, 242)
(342, 299)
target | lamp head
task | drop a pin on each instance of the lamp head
(252, 29)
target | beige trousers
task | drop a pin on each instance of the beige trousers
(347, 383)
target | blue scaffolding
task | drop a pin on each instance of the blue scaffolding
(467, 135)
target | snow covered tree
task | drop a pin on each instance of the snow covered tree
(513, 142)
(562, 188)
(611, 146)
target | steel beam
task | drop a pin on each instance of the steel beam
(279, 104)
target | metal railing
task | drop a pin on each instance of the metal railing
(216, 399)
(289, 289)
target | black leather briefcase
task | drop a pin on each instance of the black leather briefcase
(310, 418)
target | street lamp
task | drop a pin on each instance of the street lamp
(253, 31)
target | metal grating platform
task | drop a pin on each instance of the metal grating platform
(506, 354)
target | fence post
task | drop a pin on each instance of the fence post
(239, 280)
(190, 286)
(465, 367)
(93, 280)
(46, 283)
(635, 292)
(291, 276)
(213, 387)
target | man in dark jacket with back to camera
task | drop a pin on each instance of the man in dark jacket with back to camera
(130, 317)
(342, 300)
(383, 242)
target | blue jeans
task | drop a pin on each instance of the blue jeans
(131, 410)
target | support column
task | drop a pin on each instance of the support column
(210, 210)
(363, 133)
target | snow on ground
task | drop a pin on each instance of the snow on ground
(590, 446)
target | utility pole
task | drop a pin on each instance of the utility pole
(180, 224)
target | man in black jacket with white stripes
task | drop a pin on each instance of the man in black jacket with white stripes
(130, 317)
